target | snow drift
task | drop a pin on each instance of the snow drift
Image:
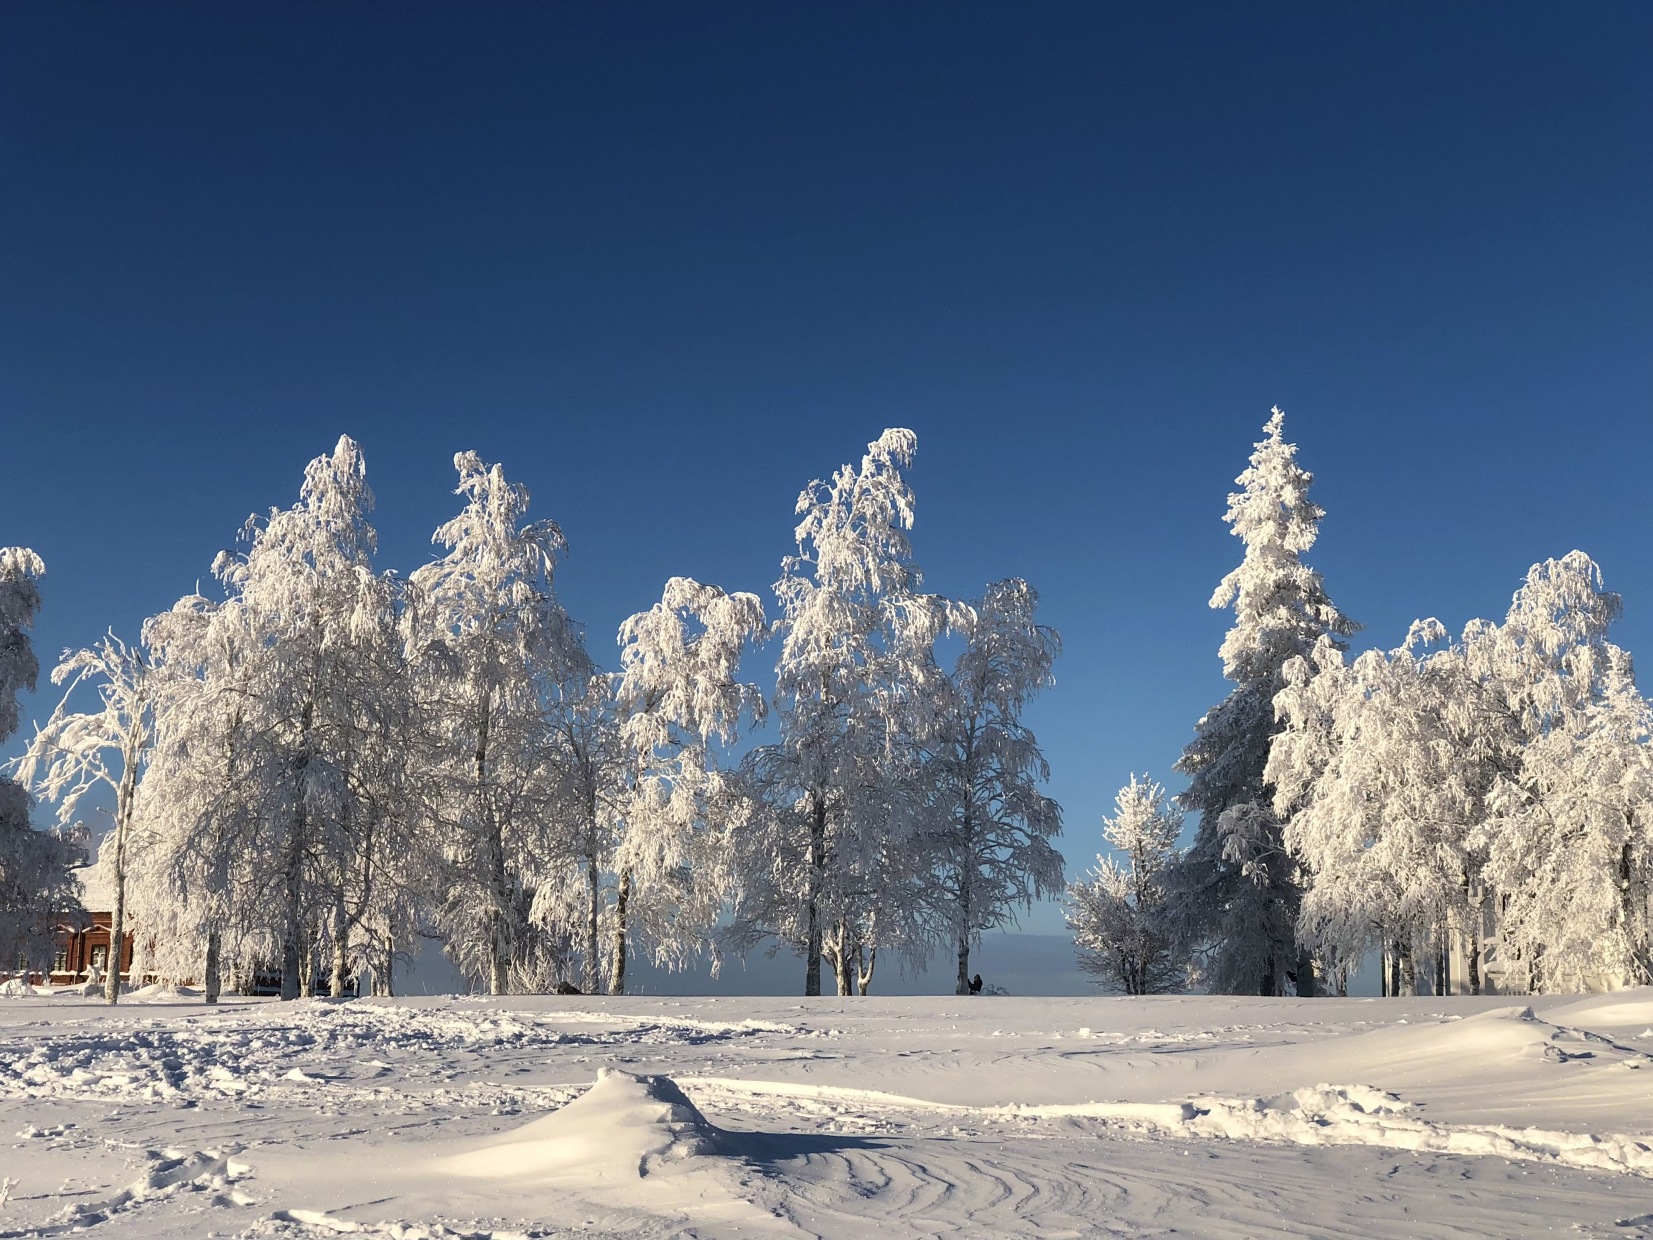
(623, 1127)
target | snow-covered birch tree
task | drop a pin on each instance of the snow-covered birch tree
(1381, 773)
(994, 825)
(832, 863)
(680, 703)
(320, 632)
(35, 887)
(196, 885)
(1122, 916)
(571, 890)
(1504, 777)
(649, 803)
(1240, 890)
(494, 651)
(1569, 833)
(79, 751)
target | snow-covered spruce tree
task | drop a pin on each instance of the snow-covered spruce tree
(833, 864)
(20, 568)
(651, 804)
(494, 653)
(1240, 890)
(1381, 772)
(35, 887)
(319, 628)
(78, 751)
(1122, 916)
(994, 825)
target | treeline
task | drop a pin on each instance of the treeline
(323, 762)
(1487, 796)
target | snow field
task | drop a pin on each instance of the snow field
(432, 1119)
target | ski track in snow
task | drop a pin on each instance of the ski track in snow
(323, 1118)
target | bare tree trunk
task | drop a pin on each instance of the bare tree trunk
(1472, 934)
(126, 795)
(967, 872)
(1630, 916)
(593, 976)
(499, 953)
(293, 874)
(842, 965)
(1408, 970)
(291, 930)
(499, 956)
(117, 917)
(384, 982)
(341, 949)
(617, 965)
(210, 980)
(307, 970)
(592, 979)
(817, 871)
(594, 888)
(1394, 970)
(863, 978)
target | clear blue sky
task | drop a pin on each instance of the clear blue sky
(669, 262)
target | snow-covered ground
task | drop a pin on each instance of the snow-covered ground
(894, 1117)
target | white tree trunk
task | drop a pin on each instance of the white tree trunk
(617, 964)
(211, 982)
(341, 950)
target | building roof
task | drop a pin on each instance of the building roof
(97, 887)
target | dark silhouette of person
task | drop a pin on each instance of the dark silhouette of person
(975, 984)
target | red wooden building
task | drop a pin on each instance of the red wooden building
(83, 942)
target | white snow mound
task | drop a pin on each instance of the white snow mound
(1621, 1009)
(623, 1127)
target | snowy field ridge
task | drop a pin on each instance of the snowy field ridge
(540, 1116)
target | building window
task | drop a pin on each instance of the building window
(100, 957)
(60, 960)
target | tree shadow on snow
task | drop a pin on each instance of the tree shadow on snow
(769, 1149)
